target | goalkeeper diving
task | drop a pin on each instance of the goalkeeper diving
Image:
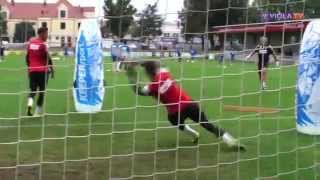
(179, 104)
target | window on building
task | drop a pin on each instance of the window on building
(175, 34)
(69, 41)
(63, 14)
(57, 38)
(62, 25)
(63, 41)
(166, 35)
(44, 24)
(79, 24)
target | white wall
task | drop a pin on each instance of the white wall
(171, 28)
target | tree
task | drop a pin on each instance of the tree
(3, 23)
(149, 23)
(135, 29)
(198, 17)
(23, 32)
(119, 15)
(193, 18)
(312, 9)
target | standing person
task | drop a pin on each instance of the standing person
(124, 53)
(180, 105)
(39, 67)
(193, 53)
(66, 50)
(115, 53)
(2, 48)
(179, 52)
(264, 50)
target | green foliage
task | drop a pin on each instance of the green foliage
(312, 9)
(23, 32)
(3, 23)
(119, 15)
(199, 16)
(150, 22)
(193, 17)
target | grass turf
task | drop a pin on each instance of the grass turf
(131, 137)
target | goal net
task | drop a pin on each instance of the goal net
(206, 47)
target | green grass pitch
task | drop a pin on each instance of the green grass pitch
(132, 139)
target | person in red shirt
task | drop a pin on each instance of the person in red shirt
(39, 69)
(179, 104)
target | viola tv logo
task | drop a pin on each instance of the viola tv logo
(272, 17)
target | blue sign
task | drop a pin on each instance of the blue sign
(89, 75)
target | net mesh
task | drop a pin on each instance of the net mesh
(131, 138)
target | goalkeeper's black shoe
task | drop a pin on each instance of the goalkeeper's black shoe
(29, 111)
(237, 146)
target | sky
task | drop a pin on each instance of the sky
(168, 8)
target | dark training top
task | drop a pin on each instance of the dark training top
(264, 53)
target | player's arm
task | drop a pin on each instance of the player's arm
(27, 56)
(27, 59)
(273, 54)
(49, 61)
(253, 52)
(133, 78)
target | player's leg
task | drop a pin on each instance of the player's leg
(42, 83)
(260, 70)
(264, 69)
(122, 62)
(1, 54)
(179, 56)
(264, 78)
(114, 63)
(196, 115)
(262, 74)
(178, 119)
(32, 94)
(118, 66)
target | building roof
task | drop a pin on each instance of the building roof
(33, 11)
(260, 28)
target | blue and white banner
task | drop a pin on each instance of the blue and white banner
(308, 85)
(89, 72)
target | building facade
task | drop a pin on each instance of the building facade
(61, 18)
(171, 29)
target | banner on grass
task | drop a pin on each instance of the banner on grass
(308, 85)
(89, 74)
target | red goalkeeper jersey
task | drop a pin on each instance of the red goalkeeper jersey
(168, 92)
(37, 56)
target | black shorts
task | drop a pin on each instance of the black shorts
(263, 64)
(38, 81)
(1, 52)
(114, 58)
(192, 111)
